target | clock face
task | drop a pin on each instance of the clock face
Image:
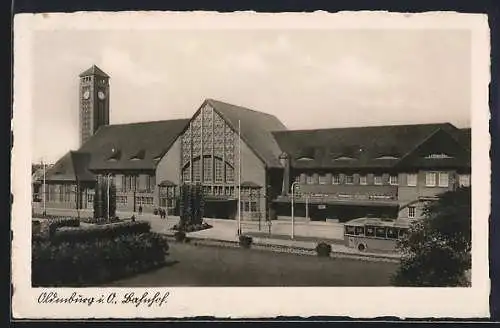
(86, 95)
(101, 95)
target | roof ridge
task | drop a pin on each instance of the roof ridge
(145, 122)
(241, 107)
(366, 127)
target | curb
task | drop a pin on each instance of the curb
(284, 249)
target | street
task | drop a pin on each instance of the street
(226, 229)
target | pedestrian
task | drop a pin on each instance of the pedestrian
(140, 209)
(132, 218)
(162, 213)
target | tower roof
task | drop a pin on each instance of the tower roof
(94, 70)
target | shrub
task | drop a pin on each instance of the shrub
(100, 220)
(323, 249)
(95, 261)
(245, 241)
(180, 236)
(107, 231)
(56, 223)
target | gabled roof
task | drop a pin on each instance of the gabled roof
(71, 167)
(134, 146)
(94, 70)
(465, 137)
(256, 129)
(357, 147)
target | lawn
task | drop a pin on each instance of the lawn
(190, 265)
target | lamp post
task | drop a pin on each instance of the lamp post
(293, 214)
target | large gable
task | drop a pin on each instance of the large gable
(377, 146)
(135, 146)
(256, 129)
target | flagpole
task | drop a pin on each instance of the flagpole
(239, 177)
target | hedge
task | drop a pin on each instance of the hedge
(95, 261)
(106, 231)
(100, 220)
(323, 249)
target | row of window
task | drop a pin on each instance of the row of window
(209, 168)
(144, 200)
(379, 232)
(135, 183)
(432, 179)
(121, 199)
(250, 207)
(59, 193)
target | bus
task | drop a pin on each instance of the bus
(373, 234)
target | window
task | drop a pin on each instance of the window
(393, 180)
(411, 179)
(219, 170)
(363, 180)
(197, 170)
(370, 231)
(349, 179)
(380, 232)
(310, 179)
(297, 178)
(90, 198)
(377, 180)
(411, 212)
(403, 232)
(444, 179)
(430, 179)
(349, 230)
(186, 174)
(336, 179)
(464, 180)
(359, 231)
(229, 174)
(322, 179)
(392, 233)
(207, 169)
(253, 206)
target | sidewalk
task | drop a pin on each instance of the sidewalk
(307, 234)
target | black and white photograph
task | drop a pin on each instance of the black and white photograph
(158, 154)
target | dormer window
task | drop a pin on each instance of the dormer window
(387, 157)
(115, 155)
(158, 156)
(437, 156)
(344, 158)
(139, 155)
(306, 154)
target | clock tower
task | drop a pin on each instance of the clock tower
(94, 102)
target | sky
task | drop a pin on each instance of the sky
(307, 78)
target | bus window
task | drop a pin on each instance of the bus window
(349, 230)
(370, 231)
(380, 232)
(403, 232)
(392, 233)
(360, 230)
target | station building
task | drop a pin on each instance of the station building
(338, 173)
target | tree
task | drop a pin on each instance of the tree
(101, 199)
(437, 249)
(191, 205)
